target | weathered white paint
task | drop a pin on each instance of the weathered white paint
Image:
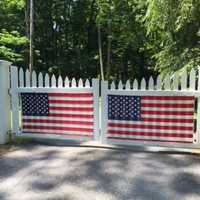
(66, 82)
(112, 86)
(40, 80)
(28, 83)
(53, 81)
(159, 83)
(46, 81)
(95, 88)
(104, 110)
(135, 84)
(60, 82)
(120, 85)
(175, 81)
(73, 82)
(167, 82)
(80, 83)
(15, 99)
(151, 83)
(143, 84)
(4, 101)
(192, 79)
(184, 80)
(34, 79)
(21, 77)
(87, 83)
(128, 85)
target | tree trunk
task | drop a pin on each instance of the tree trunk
(109, 43)
(109, 50)
(27, 18)
(100, 52)
(31, 39)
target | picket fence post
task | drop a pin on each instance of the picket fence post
(95, 86)
(15, 98)
(104, 110)
(4, 101)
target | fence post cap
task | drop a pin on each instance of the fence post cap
(5, 63)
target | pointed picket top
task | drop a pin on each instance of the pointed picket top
(34, 79)
(184, 80)
(28, 84)
(66, 82)
(53, 81)
(40, 80)
(151, 83)
(21, 77)
(112, 86)
(135, 84)
(80, 83)
(73, 82)
(46, 81)
(192, 79)
(175, 81)
(159, 83)
(143, 84)
(87, 83)
(60, 82)
(167, 82)
(120, 85)
(128, 85)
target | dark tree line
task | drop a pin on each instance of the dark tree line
(139, 38)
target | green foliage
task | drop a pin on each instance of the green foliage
(173, 28)
(11, 45)
(146, 37)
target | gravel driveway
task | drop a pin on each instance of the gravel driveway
(39, 172)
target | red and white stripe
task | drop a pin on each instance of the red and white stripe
(163, 119)
(69, 113)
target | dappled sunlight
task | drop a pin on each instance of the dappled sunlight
(82, 173)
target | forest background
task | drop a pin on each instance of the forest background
(137, 38)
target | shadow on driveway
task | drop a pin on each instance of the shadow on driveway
(60, 172)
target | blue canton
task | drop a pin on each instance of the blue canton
(35, 104)
(121, 107)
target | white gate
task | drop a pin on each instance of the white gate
(47, 107)
(165, 113)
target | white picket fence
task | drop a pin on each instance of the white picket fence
(44, 80)
(43, 83)
(184, 84)
(179, 81)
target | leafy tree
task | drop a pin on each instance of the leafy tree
(139, 38)
(174, 28)
(11, 46)
(12, 42)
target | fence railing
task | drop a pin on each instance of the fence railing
(45, 80)
(5, 124)
(73, 106)
(166, 110)
(170, 94)
(177, 81)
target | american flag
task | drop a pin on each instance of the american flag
(58, 113)
(151, 118)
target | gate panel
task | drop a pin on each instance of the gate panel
(59, 110)
(146, 116)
